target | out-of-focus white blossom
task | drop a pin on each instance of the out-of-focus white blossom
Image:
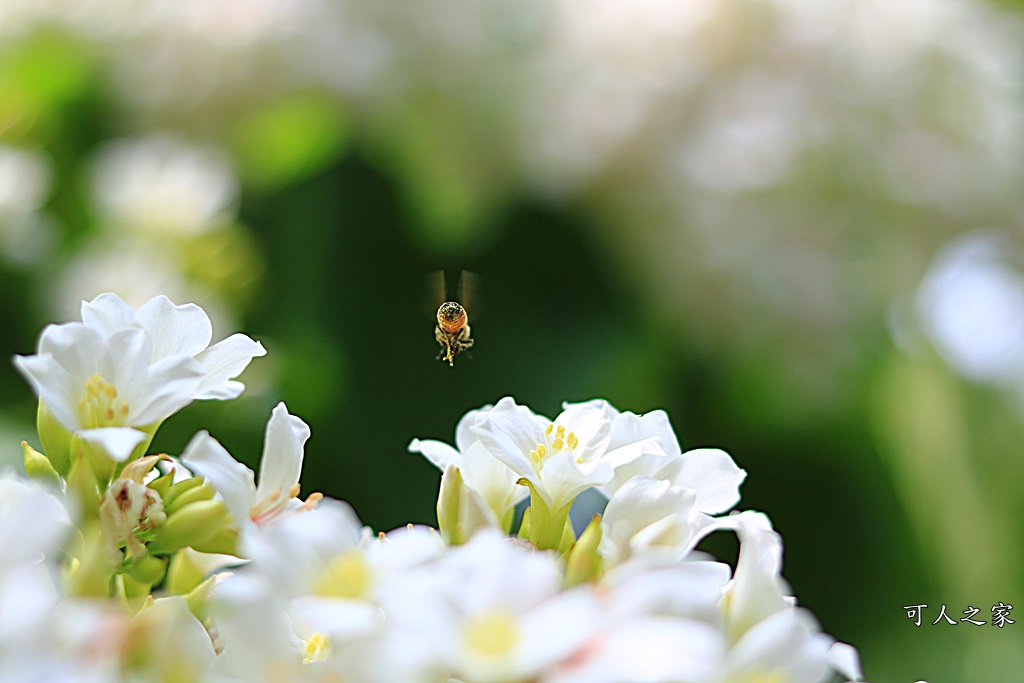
(163, 188)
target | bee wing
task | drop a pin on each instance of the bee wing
(434, 291)
(469, 292)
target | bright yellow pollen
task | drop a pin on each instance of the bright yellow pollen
(346, 576)
(493, 633)
(315, 649)
(562, 439)
(100, 405)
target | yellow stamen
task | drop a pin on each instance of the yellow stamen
(493, 633)
(572, 441)
(547, 431)
(315, 649)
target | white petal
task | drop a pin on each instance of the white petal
(491, 479)
(54, 386)
(591, 422)
(32, 521)
(117, 442)
(556, 628)
(175, 330)
(171, 385)
(281, 463)
(714, 476)
(512, 429)
(437, 452)
(786, 642)
(562, 478)
(233, 481)
(224, 361)
(845, 659)
(107, 313)
(628, 428)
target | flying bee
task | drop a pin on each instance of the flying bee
(452, 329)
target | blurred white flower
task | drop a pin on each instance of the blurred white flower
(162, 187)
(33, 522)
(25, 234)
(511, 620)
(971, 304)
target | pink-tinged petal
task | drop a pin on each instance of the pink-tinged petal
(117, 442)
(107, 314)
(175, 330)
(233, 481)
(281, 463)
(714, 476)
(224, 361)
(437, 452)
(628, 428)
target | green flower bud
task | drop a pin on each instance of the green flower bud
(39, 467)
(449, 506)
(225, 542)
(162, 484)
(177, 489)
(56, 439)
(182, 575)
(83, 485)
(204, 491)
(194, 523)
(584, 562)
(148, 570)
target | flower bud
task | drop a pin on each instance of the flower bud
(148, 570)
(584, 562)
(448, 506)
(39, 467)
(194, 523)
(204, 491)
(129, 512)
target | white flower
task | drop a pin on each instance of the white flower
(183, 330)
(561, 459)
(280, 466)
(119, 373)
(32, 522)
(646, 445)
(651, 516)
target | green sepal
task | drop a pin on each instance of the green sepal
(583, 563)
(198, 598)
(39, 467)
(55, 438)
(547, 526)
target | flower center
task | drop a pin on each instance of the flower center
(100, 406)
(556, 439)
(315, 649)
(347, 576)
(492, 633)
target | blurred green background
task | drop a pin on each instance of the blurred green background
(795, 226)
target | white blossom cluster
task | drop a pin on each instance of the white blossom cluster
(119, 565)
